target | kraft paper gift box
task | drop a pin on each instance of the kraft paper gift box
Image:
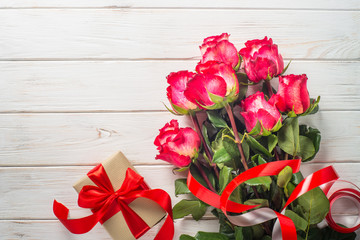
(148, 210)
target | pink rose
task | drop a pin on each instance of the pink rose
(206, 90)
(292, 94)
(222, 70)
(175, 92)
(261, 60)
(219, 49)
(177, 145)
(256, 108)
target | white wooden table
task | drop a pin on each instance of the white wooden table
(82, 79)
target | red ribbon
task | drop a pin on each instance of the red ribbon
(288, 231)
(105, 202)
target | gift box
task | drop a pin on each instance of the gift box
(95, 192)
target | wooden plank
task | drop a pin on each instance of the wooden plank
(42, 185)
(115, 86)
(261, 4)
(86, 139)
(52, 229)
(171, 33)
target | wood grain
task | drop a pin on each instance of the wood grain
(86, 139)
(141, 85)
(52, 229)
(171, 33)
(262, 4)
(40, 186)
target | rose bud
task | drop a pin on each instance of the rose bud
(177, 145)
(292, 94)
(257, 110)
(206, 90)
(175, 92)
(219, 49)
(261, 60)
(225, 72)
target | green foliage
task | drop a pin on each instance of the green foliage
(256, 146)
(288, 136)
(210, 236)
(300, 223)
(181, 187)
(272, 141)
(307, 149)
(313, 206)
(314, 135)
(263, 181)
(186, 237)
(185, 207)
(224, 178)
(216, 120)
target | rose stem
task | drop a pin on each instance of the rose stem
(243, 160)
(268, 85)
(276, 154)
(236, 134)
(203, 174)
(206, 148)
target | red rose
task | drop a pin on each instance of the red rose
(256, 108)
(175, 92)
(206, 90)
(177, 145)
(224, 71)
(261, 60)
(219, 49)
(292, 94)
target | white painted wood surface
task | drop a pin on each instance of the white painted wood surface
(80, 80)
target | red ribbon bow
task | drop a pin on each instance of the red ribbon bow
(105, 202)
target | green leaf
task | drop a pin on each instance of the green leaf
(284, 177)
(216, 119)
(328, 233)
(285, 68)
(243, 233)
(264, 181)
(258, 160)
(231, 147)
(204, 131)
(299, 222)
(260, 201)
(297, 178)
(245, 147)
(185, 207)
(221, 156)
(256, 146)
(170, 110)
(307, 149)
(258, 231)
(277, 126)
(210, 236)
(315, 136)
(288, 136)
(224, 178)
(256, 129)
(181, 187)
(186, 237)
(272, 141)
(314, 205)
(215, 98)
(313, 108)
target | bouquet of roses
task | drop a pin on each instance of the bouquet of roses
(243, 159)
